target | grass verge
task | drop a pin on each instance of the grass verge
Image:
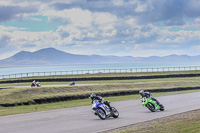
(187, 122)
(4, 111)
(16, 95)
(176, 81)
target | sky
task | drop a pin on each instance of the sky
(138, 28)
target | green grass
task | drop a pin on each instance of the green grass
(188, 122)
(181, 127)
(15, 95)
(187, 80)
(4, 111)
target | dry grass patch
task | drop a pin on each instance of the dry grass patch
(181, 123)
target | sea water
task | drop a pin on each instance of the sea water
(88, 68)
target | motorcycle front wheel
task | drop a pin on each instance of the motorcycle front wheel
(151, 107)
(101, 114)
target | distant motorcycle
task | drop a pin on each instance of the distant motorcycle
(152, 105)
(103, 111)
(38, 84)
(72, 83)
(35, 84)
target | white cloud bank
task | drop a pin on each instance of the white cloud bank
(119, 27)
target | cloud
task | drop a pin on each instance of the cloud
(15, 12)
(83, 25)
(170, 12)
(103, 26)
(29, 46)
(4, 40)
(9, 28)
(141, 8)
(179, 37)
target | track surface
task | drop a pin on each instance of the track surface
(61, 85)
(82, 120)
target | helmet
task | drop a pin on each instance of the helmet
(141, 92)
(92, 95)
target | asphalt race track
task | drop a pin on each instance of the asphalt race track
(82, 120)
(62, 85)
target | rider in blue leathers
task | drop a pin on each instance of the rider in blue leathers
(95, 97)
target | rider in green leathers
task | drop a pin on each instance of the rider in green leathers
(147, 95)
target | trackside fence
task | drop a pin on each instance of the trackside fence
(93, 71)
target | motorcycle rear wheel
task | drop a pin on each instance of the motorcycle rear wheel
(115, 112)
(162, 108)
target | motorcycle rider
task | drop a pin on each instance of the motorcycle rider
(38, 83)
(100, 99)
(147, 95)
(33, 83)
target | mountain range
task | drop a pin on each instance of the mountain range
(52, 56)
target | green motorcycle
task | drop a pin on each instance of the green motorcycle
(152, 105)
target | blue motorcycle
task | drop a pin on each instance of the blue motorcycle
(103, 111)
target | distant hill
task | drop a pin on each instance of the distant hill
(51, 56)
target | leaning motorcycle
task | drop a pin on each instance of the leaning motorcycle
(103, 111)
(33, 84)
(38, 84)
(72, 83)
(152, 105)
